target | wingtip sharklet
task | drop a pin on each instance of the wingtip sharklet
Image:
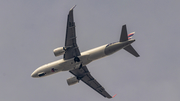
(72, 7)
(114, 96)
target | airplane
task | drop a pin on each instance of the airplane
(75, 62)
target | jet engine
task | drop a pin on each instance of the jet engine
(59, 51)
(72, 81)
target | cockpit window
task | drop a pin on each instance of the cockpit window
(41, 74)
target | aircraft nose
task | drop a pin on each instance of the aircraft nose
(34, 75)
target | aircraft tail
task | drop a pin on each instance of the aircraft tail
(126, 37)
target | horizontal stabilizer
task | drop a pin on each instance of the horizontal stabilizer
(131, 50)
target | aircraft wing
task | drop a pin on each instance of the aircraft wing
(84, 75)
(71, 47)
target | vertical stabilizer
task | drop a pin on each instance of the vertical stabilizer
(124, 36)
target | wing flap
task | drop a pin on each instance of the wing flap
(84, 75)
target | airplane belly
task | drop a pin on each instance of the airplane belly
(70, 65)
(95, 53)
(48, 69)
(54, 67)
(85, 58)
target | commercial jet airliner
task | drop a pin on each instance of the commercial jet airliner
(75, 62)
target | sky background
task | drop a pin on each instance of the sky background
(31, 29)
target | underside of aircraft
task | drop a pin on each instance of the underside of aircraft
(75, 62)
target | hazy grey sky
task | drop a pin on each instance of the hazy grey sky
(31, 29)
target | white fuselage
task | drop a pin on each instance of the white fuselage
(85, 58)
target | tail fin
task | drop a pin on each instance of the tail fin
(125, 37)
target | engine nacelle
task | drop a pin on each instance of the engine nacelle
(72, 81)
(59, 51)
